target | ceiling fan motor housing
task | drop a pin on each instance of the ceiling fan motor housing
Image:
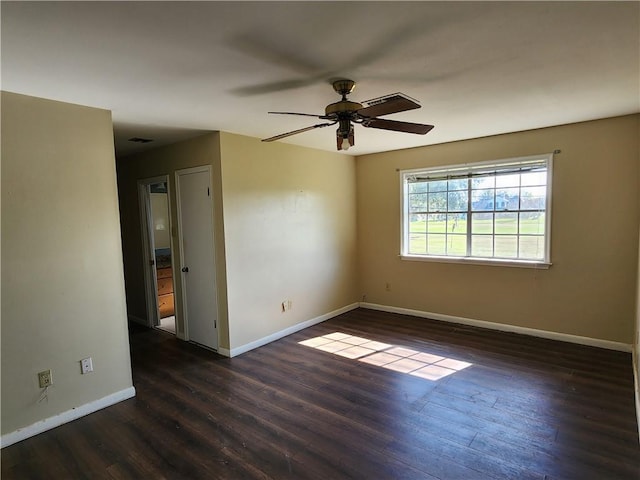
(342, 108)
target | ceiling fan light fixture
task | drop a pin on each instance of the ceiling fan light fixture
(345, 136)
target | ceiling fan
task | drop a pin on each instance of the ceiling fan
(345, 113)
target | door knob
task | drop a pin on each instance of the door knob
(185, 269)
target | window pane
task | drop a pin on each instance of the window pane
(482, 245)
(483, 182)
(532, 223)
(418, 202)
(457, 245)
(507, 199)
(533, 198)
(534, 178)
(417, 243)
(436, 244)
(436, 223)
(438, 186)
(459, 184)
(418, 224)
(506, 223)
(458, 201)
(507, 246)
(457, 223)
(482, 199)
(508, 180)
(482, 223)
(532, 247)
(418, 187)
(438, 202)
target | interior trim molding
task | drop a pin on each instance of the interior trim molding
(636, 384)
(224, 352)
(289, 330)
(66, 417)
(503, 327)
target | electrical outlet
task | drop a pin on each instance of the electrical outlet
(286, 305)
(387, 287)
(86, 365)
(45, 379)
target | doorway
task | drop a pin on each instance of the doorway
(158, 253)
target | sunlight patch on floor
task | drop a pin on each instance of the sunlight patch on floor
(400, 359)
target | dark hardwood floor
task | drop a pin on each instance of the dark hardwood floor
(518, 408)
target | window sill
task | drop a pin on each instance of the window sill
(493, 262)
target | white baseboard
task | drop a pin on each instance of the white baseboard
(287, 331)
(141, 321)
(563, 337)
(66, 417)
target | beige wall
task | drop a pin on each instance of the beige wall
(203, 150)
(290, 234)
(589, 291)
(62, 279)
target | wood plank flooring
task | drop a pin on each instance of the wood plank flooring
(525, 408)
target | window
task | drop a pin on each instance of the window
(489, 212)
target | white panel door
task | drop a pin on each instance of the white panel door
(197, 259)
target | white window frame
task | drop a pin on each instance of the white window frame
(470, 169)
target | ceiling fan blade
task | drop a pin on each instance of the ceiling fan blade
(394, 103)
(408, 127)
(296, 113)
(295, 132)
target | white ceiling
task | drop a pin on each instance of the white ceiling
(171, 70)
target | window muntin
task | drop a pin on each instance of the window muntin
(492, 211)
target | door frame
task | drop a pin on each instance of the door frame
(183, 289)
(148, 247)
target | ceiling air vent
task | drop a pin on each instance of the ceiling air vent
(140, 140)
